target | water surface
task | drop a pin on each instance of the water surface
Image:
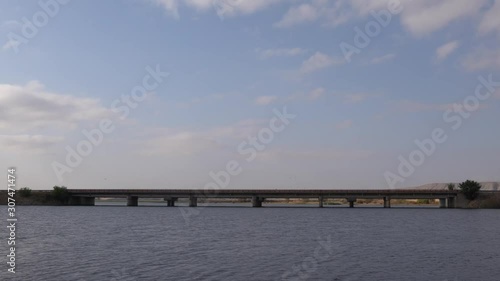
(241, 243)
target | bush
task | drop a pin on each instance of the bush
(470, 189)
(451, 186)
(491, 203)
(25, 192)
(60, 193)
(423, 201)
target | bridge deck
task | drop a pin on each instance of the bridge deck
(274, 193)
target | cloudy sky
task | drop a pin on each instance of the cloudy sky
(181, 89)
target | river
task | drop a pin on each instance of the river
(120, 243)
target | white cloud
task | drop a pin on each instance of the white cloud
(418, 17)
(481, 59)
(170, 6)
(265, 100)
(364, 8)
(491, 20)
(298, 15)
(316, 94)
(424, 16)
(331, 12)
(247, 6)
(191, 142)
(382, 59)
(318, 61)
(445, 50)
(427, 16)
(30, 106)
(204, 4)
(225, 7)
(283, 52)
(28, 143)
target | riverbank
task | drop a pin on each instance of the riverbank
(37, 198)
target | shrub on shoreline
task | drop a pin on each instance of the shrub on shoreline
(470, 189)
(25, 192)
(491, 203)
(60, 193)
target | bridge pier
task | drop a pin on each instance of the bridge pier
(387, 202)
(133, 201)
(193, 201)
(442, 202)
(171, 201)
(351, 202)
(88, 201)
(81, 201)
(320, 199)
(257, 201)
(450, 202)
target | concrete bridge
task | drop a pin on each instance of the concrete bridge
(86, 197)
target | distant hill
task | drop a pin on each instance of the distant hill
(437, 186)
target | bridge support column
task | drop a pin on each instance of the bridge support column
(320, 199)
(387, 202)
(351, 202)
(171, 201)
(88, 201)
(75, 201)
(193, 201)
(450, 202)
(257, 201)
(133, 201)
(442, 202)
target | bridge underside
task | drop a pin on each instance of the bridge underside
(258, 197)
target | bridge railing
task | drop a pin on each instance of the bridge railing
(265, 191)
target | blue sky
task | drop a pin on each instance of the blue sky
(231, 65)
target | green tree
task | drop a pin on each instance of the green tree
(60, 193)
(470, 189)
(25, 192)
(451, 186)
